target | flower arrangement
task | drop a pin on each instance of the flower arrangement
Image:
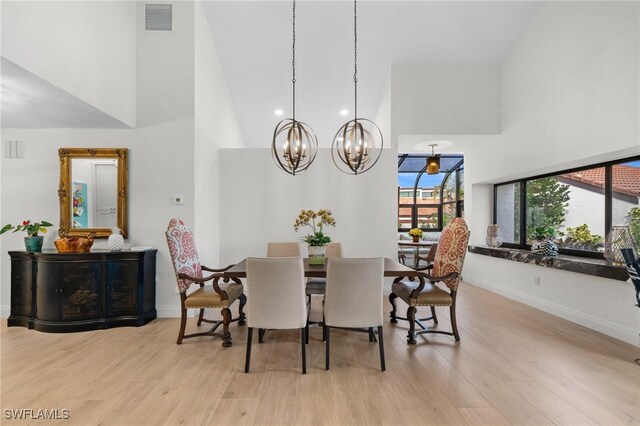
(316, 221)
(416, 232)
(32, 229)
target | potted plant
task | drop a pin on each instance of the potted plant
(416, 234)
(316, 221)
(543, 241)
(33, 241)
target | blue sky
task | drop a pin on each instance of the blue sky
(427, 181)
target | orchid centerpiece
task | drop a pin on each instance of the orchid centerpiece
(316, 221)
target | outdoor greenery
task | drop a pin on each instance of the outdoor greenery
(581, 238)
(547, 200)
(633, 218)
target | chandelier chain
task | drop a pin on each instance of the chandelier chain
(293, 60)
(355, 57)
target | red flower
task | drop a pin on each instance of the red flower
(26, 222)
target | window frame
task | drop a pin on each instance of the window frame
(608, 203)
(459, 204)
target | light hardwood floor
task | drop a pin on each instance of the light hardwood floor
(514, 365)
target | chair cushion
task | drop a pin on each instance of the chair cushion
(430, 295)
(206, 297)
(316, 286)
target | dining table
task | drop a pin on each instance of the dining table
(416, 246)
(392, 268)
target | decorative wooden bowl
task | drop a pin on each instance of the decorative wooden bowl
(73, 244)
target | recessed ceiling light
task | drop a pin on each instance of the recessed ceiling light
(344, 112)
(279, 112)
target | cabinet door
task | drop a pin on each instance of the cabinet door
(48, 291)
(80, 290)
(21, 294)
(122, 288)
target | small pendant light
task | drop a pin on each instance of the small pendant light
(357, 145)
(433, 162)
(294, 144)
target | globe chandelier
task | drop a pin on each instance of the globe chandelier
(358, 144)
(295, 145)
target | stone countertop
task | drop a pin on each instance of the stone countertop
(582, 265)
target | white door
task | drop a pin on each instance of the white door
(106, 195)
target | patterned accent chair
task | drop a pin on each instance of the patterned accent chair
(188, 269)
(446, 268)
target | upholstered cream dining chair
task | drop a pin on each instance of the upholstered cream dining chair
(284, 249)
(188, 269)
(446, 268)
(353, 299)
(275, 289)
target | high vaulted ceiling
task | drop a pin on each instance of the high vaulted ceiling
(253, 40)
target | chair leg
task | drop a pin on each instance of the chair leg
(261, 332)
(324, 329)
(454, 324)
(200, 316)
(308, 312)
(370, 334)
(247, 361)
(433, 314)
(303, 341)
(327, 349)
(411, 316)
(241, 315)
(226, 320)
(183, 325)
(381, 344)
(392, 300)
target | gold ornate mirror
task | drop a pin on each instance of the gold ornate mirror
(93, 191)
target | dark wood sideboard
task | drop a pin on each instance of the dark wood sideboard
(66, 292)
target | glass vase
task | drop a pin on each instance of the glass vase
(316, 255)
(619, 237)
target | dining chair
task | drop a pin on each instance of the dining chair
(353, 299)
(284, 249)
(275, 289)
(446, 268)
(188, 270)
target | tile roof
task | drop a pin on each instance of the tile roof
(626, 179)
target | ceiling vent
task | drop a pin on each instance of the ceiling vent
(157, 17)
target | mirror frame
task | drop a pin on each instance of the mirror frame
(64, 191)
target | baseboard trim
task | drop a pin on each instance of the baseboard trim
(594, 323)
(168, 311)
(5, 310)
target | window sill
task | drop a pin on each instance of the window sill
(581, 265)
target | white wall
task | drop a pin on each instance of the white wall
(215, 126)
(161, 157)
(444, 100)
(85, 48)
(570, 96)
(259, 203)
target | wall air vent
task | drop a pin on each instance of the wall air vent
(157, 17)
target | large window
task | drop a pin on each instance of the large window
(578, 205)
(429, 202)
